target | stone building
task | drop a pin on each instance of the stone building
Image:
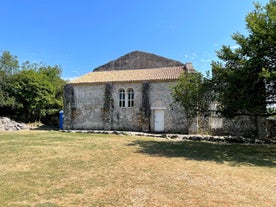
(133, 93)
(130, 93)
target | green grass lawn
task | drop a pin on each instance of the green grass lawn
(49, 169)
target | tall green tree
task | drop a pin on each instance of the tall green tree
(193, 92)
(8, 66)
(33, 94)
(53, 75)
(38, 90)
(8, 63)
(30, 91)
(245, 78)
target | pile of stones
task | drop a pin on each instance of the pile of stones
(10, 125)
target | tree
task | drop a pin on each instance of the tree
(53, 75)
(31, 91)
(33, 94)
(193, 92)
(8, 66)
(8, 63)
(245, 77)
(244, 80)
(38, 90)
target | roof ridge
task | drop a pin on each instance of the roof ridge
(137, 69)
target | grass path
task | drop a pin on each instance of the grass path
(49, 169)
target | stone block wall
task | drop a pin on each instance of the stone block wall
(271, 128)
(174, 120)
(237, 126)
(69, 105)
(131, 119)
(125, 118)
(84, 108)
(84, 111)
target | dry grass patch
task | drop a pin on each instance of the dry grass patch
(40, 169)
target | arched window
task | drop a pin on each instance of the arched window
(130, 97)
(122, 98)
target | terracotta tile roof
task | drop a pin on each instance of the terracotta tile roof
(156, 74)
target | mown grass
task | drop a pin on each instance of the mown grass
(50, 169)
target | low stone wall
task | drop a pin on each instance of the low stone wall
(10, 125)
(181, 137)
(271, 128)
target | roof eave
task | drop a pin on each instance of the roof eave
(122, 82)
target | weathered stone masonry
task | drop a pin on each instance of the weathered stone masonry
(87, 107)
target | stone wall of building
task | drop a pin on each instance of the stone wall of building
(84, 108)
(127, 118)
(160, 97)
(85, 111)
(69, 106)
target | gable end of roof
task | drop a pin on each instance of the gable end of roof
(138, 60)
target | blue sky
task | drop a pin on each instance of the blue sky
(80, 35)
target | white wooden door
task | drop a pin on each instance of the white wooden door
(159, 120)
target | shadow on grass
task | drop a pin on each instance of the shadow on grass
(235, 154)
